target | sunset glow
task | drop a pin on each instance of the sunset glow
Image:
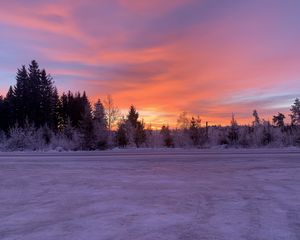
(207, 57)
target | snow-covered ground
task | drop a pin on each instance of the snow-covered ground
(170, 194)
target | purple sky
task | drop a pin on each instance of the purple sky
(206, 57)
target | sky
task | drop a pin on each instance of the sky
(207, 57)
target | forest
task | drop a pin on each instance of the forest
(34, 117)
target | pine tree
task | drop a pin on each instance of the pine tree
(122, 135)
(63, 107)
(166, 135)
(266, 134)
(295, 115)
(100, 125)
(8, 110)
(78, 109)
(140, 134)
(278, 120)
(195, 131)
(70, 137)
(69, 130)
(57, 117)
(135, 128)
(47, 104)
(21, 96)
(34, 94)
(233, 134)
(72, 106)
(99, 113)
(2, 114)
(256, 121)
(133, 116)
(87, 129)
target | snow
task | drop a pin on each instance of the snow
(151, 194)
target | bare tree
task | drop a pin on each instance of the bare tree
(183, 121)
(112, 112)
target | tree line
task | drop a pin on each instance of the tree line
(33, 107)
(34, 116)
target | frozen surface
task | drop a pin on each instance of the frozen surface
(170, 194)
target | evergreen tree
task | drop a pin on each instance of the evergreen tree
(256, 121)
(73, 107)
(295, 115)
(63, 107)
(266, 134)
(34, 94)
(58, 122)
(121, 134)
(8, 117)
(140, 134)
(20, 96)
(133, 116)
(233, 134)
(135, 127)
(79, 106)
(195, 131)
(2, 114)
(69, 130)
(32, 110)
(87, 129)
(166, 135)
(99, 113)
(47, 101)
(34, 97)
(278, 120)
(100, 125)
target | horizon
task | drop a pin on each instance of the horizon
(204, 57)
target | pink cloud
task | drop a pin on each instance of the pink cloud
(150, 54)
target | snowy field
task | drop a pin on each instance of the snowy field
(170, 194)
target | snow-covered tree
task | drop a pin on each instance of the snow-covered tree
(233, 134)
(167, 137)
(100, 125)
(245, 136)
(266, 134)
(196, 133)
(3, 140)
(25, 138)
(69, 139)
(135, 129)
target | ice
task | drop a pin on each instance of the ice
(151, 194)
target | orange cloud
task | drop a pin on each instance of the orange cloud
(166, 56)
